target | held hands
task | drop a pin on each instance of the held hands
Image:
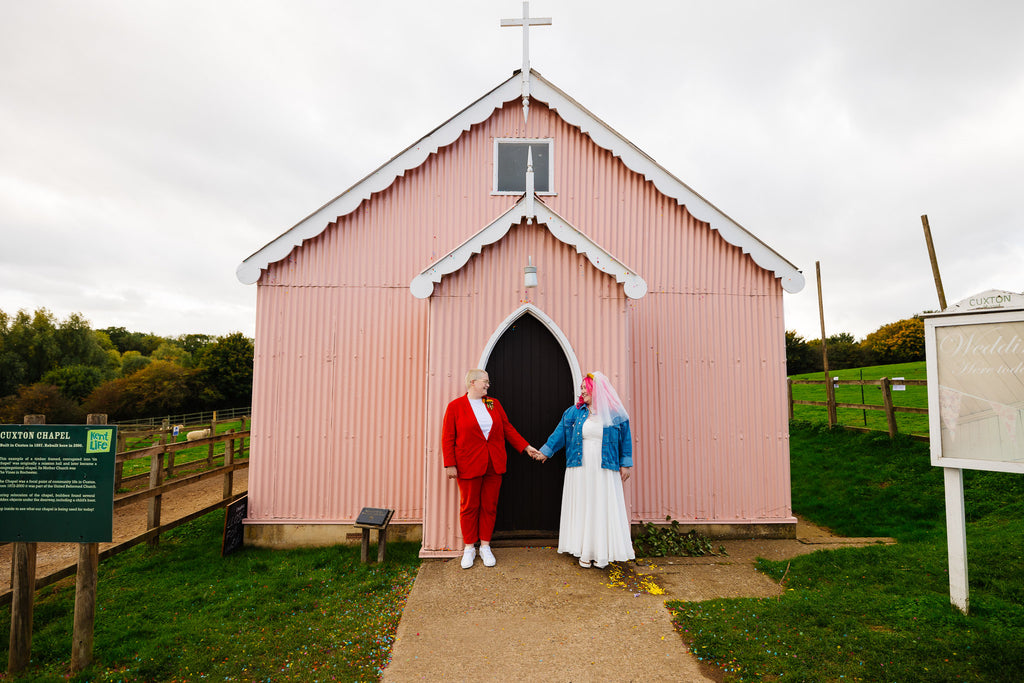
(451, 472)
(624, 472)
(535, 454)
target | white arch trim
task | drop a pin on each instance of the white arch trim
(556, 331)
(634, 286)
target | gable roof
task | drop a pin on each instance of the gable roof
(633, 285)
(572, 112)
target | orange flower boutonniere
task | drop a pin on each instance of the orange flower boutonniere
(489, 402)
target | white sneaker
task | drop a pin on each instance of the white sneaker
(487, 555)
(468, 555)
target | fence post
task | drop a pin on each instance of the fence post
(85, 590)
(155, 480)
(213, 432)
(229, 459)
(168, 437)
(890, 414)
(122, 446)
(23, 593)
(789, 391)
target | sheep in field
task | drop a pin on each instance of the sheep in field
(197, 434)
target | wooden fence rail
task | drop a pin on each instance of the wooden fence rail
(885, 383)
(161, 462)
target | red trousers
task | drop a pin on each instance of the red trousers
(478, 505)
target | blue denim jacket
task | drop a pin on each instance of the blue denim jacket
(616, 444)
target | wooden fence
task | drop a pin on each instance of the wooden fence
(885, 383)
(162, 467)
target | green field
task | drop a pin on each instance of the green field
(197, 454)
(879, 613)
(912, 397)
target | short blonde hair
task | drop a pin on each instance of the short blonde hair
(474, 374)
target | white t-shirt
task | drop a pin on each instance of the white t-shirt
(483, 416)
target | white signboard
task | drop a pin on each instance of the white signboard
(975, 355)
(976, 389)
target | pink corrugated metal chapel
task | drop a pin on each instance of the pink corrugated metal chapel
(371, 310)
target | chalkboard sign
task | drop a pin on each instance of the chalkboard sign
(376, 518)
(233, 533)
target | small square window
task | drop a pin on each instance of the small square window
(510, 165)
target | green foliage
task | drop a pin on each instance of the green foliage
(799, 357)
(75, 381)
(115, 371)
(181, 612)
(898, 342)
(160, 388)
(879, 612)
(132, 362)
(226, 370)
(40, 399)
(124, 341)
(671, 541)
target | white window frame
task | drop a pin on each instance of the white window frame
(550, 142)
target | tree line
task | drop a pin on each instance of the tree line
(898, 342)
(65, 370)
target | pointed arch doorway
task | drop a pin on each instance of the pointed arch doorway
(532, 377)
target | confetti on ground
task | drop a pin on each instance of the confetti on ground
(622, 575)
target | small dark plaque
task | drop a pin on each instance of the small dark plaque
(233, 531)
(376, 518)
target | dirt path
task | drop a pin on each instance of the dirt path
(537, 615)
(129, 521)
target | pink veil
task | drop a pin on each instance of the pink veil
(606, 402)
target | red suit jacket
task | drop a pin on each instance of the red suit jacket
(463, 444)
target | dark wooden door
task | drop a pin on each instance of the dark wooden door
(531, 377)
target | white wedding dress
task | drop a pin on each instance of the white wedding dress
(594, 525)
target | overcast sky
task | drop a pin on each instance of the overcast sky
(147, 148)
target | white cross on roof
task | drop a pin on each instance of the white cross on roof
(526, 22)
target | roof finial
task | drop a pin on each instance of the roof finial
(531, 212)
(526, 22)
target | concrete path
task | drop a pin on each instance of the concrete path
(538, 615)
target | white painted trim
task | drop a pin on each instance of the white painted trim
(634, 159)
(556, 331)
(792, 279)
(348, 201)
(634, 286)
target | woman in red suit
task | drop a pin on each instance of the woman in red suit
(473, 448)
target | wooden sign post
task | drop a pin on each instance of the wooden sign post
(60, 489)
(23, 592)
(374, 518)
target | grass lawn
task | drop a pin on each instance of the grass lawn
(911, 397)
(180, 612)
(878, 613)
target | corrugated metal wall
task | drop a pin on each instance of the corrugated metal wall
(353, 373)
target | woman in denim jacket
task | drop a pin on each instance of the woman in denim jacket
(595, 434)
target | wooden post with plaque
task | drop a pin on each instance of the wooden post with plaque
(374, 518)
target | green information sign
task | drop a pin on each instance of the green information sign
(57, 483)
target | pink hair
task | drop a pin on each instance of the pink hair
(588, 384)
